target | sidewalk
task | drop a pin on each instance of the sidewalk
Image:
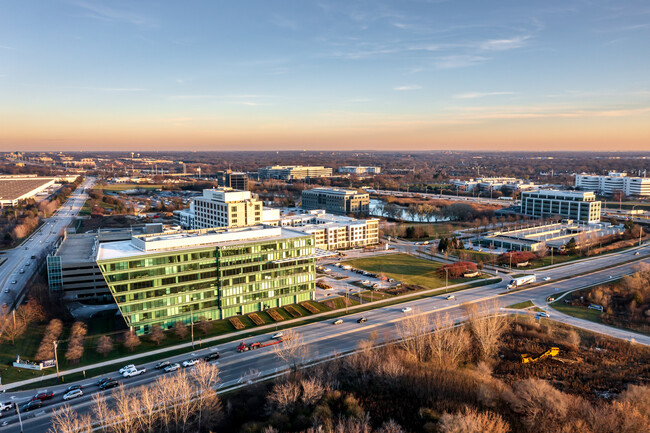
(231, 336)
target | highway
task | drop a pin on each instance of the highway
(325, 339)
(19, 265)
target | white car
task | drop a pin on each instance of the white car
(365, 282)
(450, 297)
(6, 406)
(72, 394)
(190, 362)
(172, 367)
(126, 367)
(327, 270)
(406, 309)
(133, 372)
(542, 314)
(277, 335)
(13, 281)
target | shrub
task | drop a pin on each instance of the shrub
(457, 269)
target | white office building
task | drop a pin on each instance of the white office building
(223, 207)
(361, 170)
(574, 205)
(614, 182)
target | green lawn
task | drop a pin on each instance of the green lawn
(579, 312)
(405, 268)
(521, 305)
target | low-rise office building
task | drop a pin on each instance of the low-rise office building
(15, 189)
(573, 205)
(336, 200)
(293, 172)
(614, 182)
(508, 184)
(361, 170)
(331, 232)
(211, 274)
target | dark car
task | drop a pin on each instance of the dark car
(108, 385)
(362, 320)
(212, 356)
(103, 380)
(43, 396)
(162, 364)
(31, 405)
(72, 388)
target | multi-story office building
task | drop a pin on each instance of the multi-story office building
(331, 232)
(233, 179)
(493, 184)
(225, 207)
(336, 200)
(72, 271)
(213, 274)
(359, 170)
(293, 172)
(577, 206)
(614, 182)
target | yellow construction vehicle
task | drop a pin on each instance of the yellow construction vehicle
(553, 351)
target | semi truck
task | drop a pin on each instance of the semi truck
(521, 281)
(243, 347)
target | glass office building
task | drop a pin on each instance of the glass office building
(212, 273)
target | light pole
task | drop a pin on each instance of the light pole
(20, 419)
(56, 358)
(192, 327)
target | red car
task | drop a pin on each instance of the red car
(42, 396)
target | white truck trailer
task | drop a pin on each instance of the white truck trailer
(521, 281)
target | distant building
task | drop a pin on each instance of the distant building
(225, 207)
(233, 179)
(493, 184)
(614, 182)
(16, 189)
(574, 205)
(293, 172)
(359, 170)
(336, 200)
(211, 274)
(331, 232)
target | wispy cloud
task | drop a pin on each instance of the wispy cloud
(406, 88)
(109, 14)
(477, 95)
(504, 44)
(115, 89)
(458, 61)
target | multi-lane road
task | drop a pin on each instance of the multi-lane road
(324, 339)
(19, 265)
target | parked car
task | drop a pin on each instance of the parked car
(43, 395)
(126, 367)
(31, 405)
(190, 362)
(338, 321)
(406, 309)
(277, 335)
(172, 367)
(211, 356)
(72, 394)
(108, 385)
(162, 364)
(362, 320)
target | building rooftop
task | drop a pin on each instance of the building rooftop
(16, 188)
(338, 191)
(180, 240)
(78, 248)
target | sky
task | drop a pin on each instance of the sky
(331, 75)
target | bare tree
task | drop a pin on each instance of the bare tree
(157, 335)
(292, 350)
(105, 345)
(180, 328)
(30, 312)
(131, 341)
(66, 420)
(11, 327)
(448, 344)
(487, 326)
(414, 333)
(204, 325)
(206, 378)
(473, 421)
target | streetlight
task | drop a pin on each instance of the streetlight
(20, 419)
(56, 358)
(446, 278)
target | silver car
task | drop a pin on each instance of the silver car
(72, 394)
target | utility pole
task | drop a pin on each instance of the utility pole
(56, 358)
(20, 419)
(192, 327)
